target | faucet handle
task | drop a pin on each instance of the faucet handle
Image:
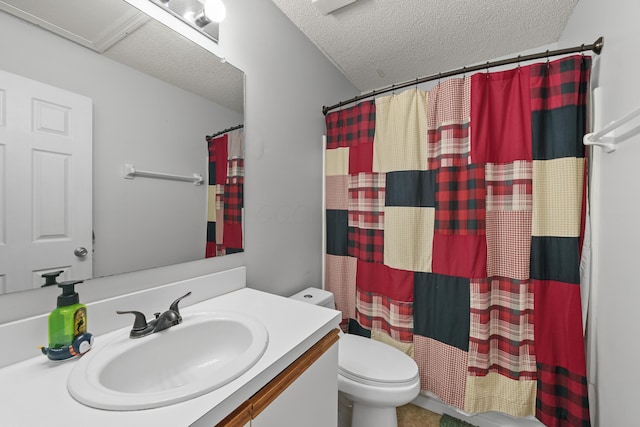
(139, 323)
(174, 305)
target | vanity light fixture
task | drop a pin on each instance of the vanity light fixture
(213, 11)
(203, 16)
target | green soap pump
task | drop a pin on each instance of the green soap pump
(68, 336)
(69, 319)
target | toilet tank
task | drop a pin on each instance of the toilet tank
(316, 296)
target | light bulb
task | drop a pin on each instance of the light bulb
(215, 10)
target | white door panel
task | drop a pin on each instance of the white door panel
(45, 184)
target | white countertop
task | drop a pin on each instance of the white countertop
(34, 392)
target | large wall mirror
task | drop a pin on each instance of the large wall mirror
(155, 97)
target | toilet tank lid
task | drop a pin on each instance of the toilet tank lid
(314, 296)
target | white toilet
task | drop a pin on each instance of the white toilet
(374, 376)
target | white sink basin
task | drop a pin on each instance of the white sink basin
(204, 352)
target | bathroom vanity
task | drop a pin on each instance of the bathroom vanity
(295, 379)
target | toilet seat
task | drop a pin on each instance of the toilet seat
(367, 361)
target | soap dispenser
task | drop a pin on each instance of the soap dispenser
(68, 336)
(50, 278)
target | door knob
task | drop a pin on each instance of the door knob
(80, 252)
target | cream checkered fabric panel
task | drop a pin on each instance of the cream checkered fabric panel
(337, 162)
(557, 201)
(408, 238)
(400, 141)
(405, 347)
(481, 395)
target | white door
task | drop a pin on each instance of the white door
(45, 183)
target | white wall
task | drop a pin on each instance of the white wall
(288, 81)
(618, 290)
(137, 119)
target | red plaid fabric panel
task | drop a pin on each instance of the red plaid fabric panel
(378, 312)
(366, 216)
(366, 200)
(234, 191)
(235, 170)
(558, 98)
(210, 249)
(384, 300)
(501, 335)
(449, 113)
(509, 186)
(459, 256)
(351, 126)
(460, 200)
(233, 200)
(220, 197)
(222, 156)
(500, 117)
(562, 399)
(560, 83)
(366, 244)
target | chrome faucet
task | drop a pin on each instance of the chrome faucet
(161, 322)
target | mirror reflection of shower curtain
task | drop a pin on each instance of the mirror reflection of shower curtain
(225, 204)
(454, 223)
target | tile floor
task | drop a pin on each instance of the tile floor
(414, 416)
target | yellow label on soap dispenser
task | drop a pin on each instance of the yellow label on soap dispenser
(80, 321)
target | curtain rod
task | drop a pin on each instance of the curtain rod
(222, 132)
(595, 47)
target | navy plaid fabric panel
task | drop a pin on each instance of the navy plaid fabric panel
(461, 200)
(366, 244)
(211, 148)
(212, 172)
(555, 258)
(351, 126)
(356, 329)
(411, 188)
(562, 398)
(337, 232)
(441, 308)
(210, 248)
(559, 92)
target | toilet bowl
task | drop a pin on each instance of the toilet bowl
(374, 376)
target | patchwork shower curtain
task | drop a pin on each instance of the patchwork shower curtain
(225, 203)
(454, 228)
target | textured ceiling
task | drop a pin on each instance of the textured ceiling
(121, 32)
(377, 43)
(160, 52)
